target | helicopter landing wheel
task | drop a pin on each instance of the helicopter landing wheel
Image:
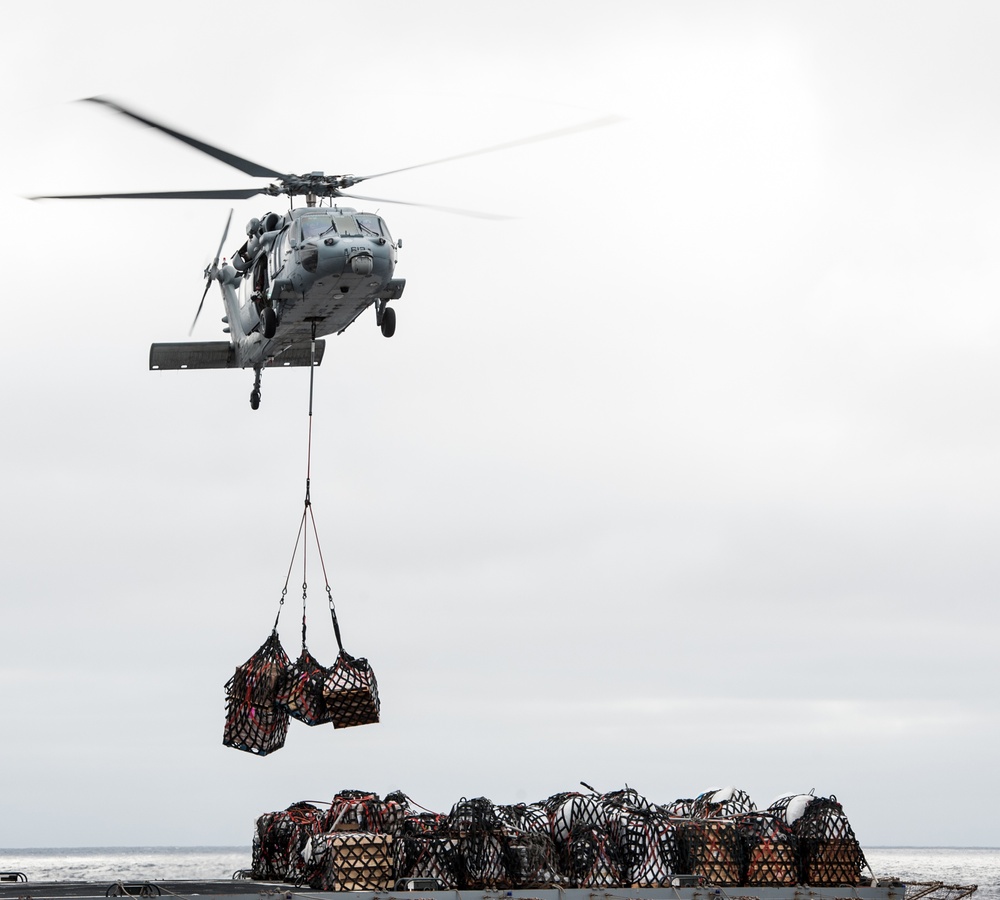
(268, 322)
(388, 322)
(254, 399)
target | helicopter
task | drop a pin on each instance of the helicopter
(299, 275)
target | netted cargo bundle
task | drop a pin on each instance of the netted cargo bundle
(254, 722)
(711, 848)
(478, 814)
(626, 799)
(721, 804)
(364, 811)
(647, 847)
(533, 862)
(679, 809)
(485, 861)
(484, 852)
(345, 811)
(828, 850)
(524, 817)
(301, 691)
(770, 850)
(351, 861)
(569, 810)
(423, 851)
(351, 692)
(279, 840)
(592, 858)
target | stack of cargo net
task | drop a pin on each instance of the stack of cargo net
(570, 840)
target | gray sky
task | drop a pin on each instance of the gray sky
(684, 477)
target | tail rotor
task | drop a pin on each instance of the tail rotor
(211, 271)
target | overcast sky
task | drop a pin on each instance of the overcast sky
(683, 476)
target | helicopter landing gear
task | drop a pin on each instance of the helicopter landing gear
(388, 322)
(255, 393)
(268, 322)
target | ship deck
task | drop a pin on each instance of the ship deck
(240, 889)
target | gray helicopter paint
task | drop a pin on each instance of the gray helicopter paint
(326, 281)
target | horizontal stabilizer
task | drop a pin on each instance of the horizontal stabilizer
(192, 355)
(222, 355)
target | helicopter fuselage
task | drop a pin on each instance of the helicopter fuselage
(314, 268)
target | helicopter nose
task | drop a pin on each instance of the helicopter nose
(362, 264)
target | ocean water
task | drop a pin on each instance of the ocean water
(952, 865)
(109, 864)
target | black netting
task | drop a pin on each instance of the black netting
(830, 853)
(568, 810)
(301, 691)
(364, 811)
(592, 858)
(527, 817)
(627, 799)
(279, 840)
(533, 861)
(254, 722)
(351, 692)
(477, 814)
(720, 804)
(484, 857)
(711, 848)
(680, 809)
(770, 850)
(424, 851)
(483, 849)
(352, 861)
(647, 847)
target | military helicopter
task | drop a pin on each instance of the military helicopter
(299, 275)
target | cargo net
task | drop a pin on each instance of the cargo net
(571, 839)
(592, 859)
(350, 692)
(351, 861)
(279, 841)
(363, 811)
(647, 847)
(425, 851)
(770, 850)
(829, 853)
(718, 804)
(711, 849)
(254, 721)
(301, 691)
(532, 851)
(484, 857)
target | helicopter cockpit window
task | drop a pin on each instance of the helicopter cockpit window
(347, 226)
(369, 224)
(314, 226)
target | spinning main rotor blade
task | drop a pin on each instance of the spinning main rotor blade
(210, 271)
(235, 194)
(230, 159)
(447, 209)
(533, 139)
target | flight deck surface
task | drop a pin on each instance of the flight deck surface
(239, 889)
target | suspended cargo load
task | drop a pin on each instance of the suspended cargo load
(254, 720)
